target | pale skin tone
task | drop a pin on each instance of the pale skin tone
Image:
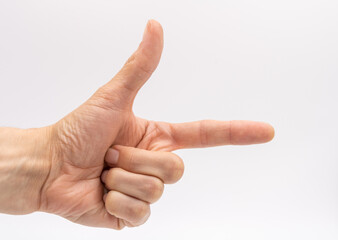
(101, 165)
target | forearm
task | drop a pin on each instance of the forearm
(24, 167)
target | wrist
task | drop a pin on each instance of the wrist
(24, 168)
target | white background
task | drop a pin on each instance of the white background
(274, 61)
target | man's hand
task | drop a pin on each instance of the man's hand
(103, 147)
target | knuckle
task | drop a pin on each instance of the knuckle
(140, 63)
(111, 177)
(139, 212)
(105, 98)
(103, 94)
(144, 68)
(203, 132)
(154, 189)
(110, 202)
(174, 169)
(120, 225)
(131, 160)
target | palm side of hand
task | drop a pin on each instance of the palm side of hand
(80, 140)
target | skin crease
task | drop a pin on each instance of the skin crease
(76, 147)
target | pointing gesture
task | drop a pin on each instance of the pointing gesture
(105, 165)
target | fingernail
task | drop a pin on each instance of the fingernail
(112, 156)
(104, 175)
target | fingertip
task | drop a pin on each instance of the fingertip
(268, 132)
(250, 132)
(272, 132)
(104, 176)
(112, 157)
(154, 25)
(153, 34)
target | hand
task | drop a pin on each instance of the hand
(137, 151)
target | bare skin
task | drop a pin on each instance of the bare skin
(101, 165)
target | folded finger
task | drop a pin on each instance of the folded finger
(166, 166)
(143, 187)
(135, 212)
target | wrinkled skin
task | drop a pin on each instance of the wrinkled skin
(79, 142)
(77, 167)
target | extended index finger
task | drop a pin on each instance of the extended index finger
(209, 133)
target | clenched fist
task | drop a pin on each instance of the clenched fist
(101, 165)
